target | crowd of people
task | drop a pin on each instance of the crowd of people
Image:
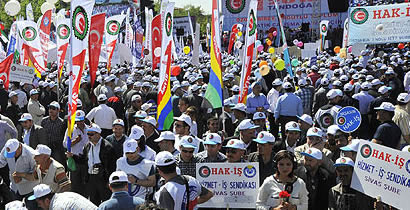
(118, 159)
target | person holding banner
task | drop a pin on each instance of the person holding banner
(283, 181)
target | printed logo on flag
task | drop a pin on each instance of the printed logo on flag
(29, 33)
(80, 23)
(113, 27)
(168, 24)
(235, 6)
(252, 23)
(63, 31)
(359, 16)
(323, 27)
(366, 151)
(46, 21)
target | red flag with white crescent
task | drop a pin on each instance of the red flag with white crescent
(156, 41)
(5, 70)
(45, 26)
(94, 43)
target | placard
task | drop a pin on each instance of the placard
(20, 73)
(235, 185)
(379, 24)
(348, 119)
(383, 172)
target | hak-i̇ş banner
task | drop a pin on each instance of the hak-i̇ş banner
(63, 38)
(250, 40)
(379, 24)
(112, 29)
(81, 11)
(165, 115)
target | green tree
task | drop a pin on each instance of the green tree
(8, 20)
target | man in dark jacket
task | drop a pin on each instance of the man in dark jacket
(120, 199)
(100, 161)
(291, 140)
(31, 134)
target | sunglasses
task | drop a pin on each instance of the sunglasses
(188, 151)
(179, 125)
(90, 134)
(232, 151)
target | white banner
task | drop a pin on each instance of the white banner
(63, 38)
(383, 172)
(20, 73)
(112, 29)
(345, 40)
(379, 24)
(235, 185)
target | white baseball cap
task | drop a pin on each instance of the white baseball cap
(352, 147)
(187, 142)
(135, 97)
(40, 191)
(240, 106)
(15, 205)
(306, 118)
(118, 122)
(344, 161)
(313, 131)
(333, 93)
(184, 118)
(130, 145)
(102, 97)
(136, 132)
(141, 114)
(302, 82)
(235, 88)
(264, 137)
(247, 124)
(292, 126)
(403, 98)
(42, 149)
(150, 120)
(118, 176)
(383, 89)
(11, 147)
(33, 92)
(26, 116)
(386, 106)
(94, 128)
(376, 82)
(348, 87)
(54, 104)
(12, 93)
(313, 153)
(164, 158)
(332, 129)
(79, 115)
(166, 135)
(259, 115)
(236, 144)
(277, 82)
(213, 139)
(287, 85)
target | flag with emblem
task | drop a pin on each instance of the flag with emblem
(165, 115)
(13, 36)
(250, 39)
(3, 35)
(31, 45)
(5, 70)
(81, 11)
(44, 34)
(324, 24)
(156, 34)
(213, 92)
(63, 38)
(148, 31)
(94, 44)
(112, 29)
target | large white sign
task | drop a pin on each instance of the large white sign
(379, 24)
(235, 185)
(382, 171)
(20, 73)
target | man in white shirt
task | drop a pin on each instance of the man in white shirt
(103, 116)
(35, 108)
(272, 98)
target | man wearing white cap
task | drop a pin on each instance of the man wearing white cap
(48, 171)
(306, 95)
(19, 158)
(319, 98)
(171, 195)
(31, 134)
(35, 108)
(239, 112)
(116, 103)
(182, 126)
(351, 149)
(140, 171)
(288, 107)
(47, 199)
(187, 159)
(120, 198)
(264, 155)
(235, 151)
(247, 131)
(272, 98)
(102, 115)
(402, 117)
(108, 88)
(13, 109)
(388, 133)
(326, 115)
(256, 101)
(54, 127)
(118, 137)
(364, 103)
(291, 138)
(151, 133)
(318, 180)
(166, 142)
(305, 122)
(383, 97)
(342, 196)
(213, 144)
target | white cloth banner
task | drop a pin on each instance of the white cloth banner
(112, 29)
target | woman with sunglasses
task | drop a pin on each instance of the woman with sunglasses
(283, 180)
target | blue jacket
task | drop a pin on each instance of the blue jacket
(121, 200)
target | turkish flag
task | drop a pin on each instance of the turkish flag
(156, 40)
(5, 70)
(94, 43)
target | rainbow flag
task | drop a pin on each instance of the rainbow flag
(165, 116)
(214, 90)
